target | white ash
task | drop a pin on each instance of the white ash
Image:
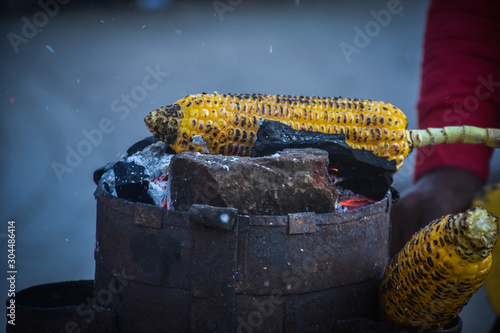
(340, 208)
(158, 193)
(155, 161)
(198, 140)
(109, 178)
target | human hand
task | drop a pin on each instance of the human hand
(439, 192)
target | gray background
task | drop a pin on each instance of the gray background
(69, 74)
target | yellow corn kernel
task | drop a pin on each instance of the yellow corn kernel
(431, 279)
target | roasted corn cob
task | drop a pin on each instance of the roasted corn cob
(429, 281)
(227, 124)
(491, 202)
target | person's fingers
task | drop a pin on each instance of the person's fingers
(438, 193)
(405, 219)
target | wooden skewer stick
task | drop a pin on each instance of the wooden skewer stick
(466, 134)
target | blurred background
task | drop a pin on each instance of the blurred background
(78, 77)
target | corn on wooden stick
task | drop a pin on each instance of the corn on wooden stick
(431, 279)
(451, 134)
(490, 200)
(227, 124)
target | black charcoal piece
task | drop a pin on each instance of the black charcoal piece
(140, 145)
(131, 182)
(360, 170)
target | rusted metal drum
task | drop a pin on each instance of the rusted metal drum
(60, 307)
(363, 325)
(213, 270)
(69, 307)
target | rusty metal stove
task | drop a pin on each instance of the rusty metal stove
(293, 273)
(180, 271)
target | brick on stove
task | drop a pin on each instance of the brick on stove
(290, 181)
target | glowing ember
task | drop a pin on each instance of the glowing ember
(355, 203)
(162, 182)
(351, 200)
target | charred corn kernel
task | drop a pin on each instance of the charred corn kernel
(491, 202)
(227, 124)
(431, 279)
(363, 122)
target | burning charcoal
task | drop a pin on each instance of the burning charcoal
(291, 181)
(131, 182)
(140, 145)
(359, 170)
(154, 159)
(144, 143)
(145, 170)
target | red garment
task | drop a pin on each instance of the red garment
(460, 82)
